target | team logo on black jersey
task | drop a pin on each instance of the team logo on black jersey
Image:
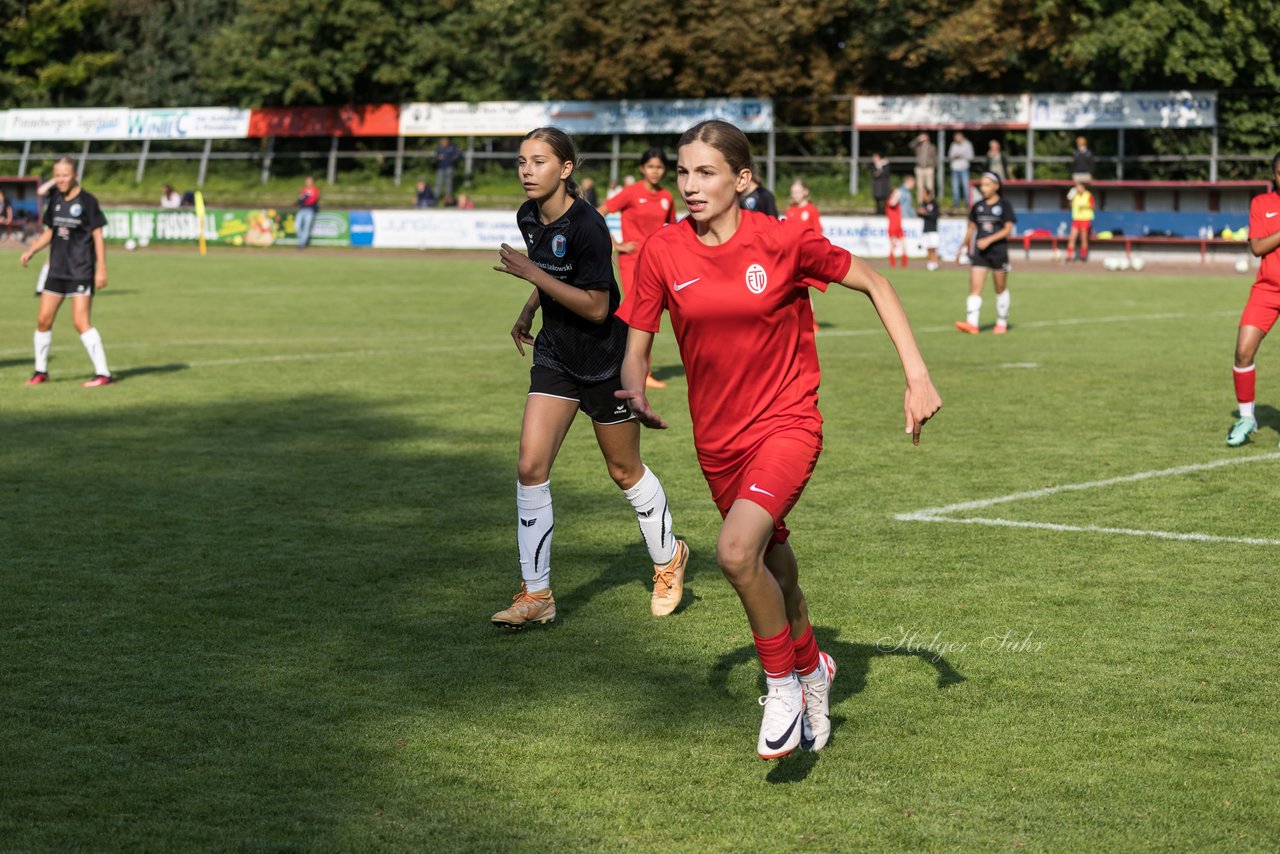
(75, 209)
(996, 210)
(559, 245)
(757, 279)
(751, 205)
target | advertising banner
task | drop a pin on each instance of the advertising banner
(189, 123)
(363, 120)
(434, 229)
(868, 236)
(516, 118)
(262, 227)
(1079, 110)
(68, 125)
(891, 112)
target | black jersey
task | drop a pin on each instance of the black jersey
(71, 254)
(760, 200)
(577, 250)
(929, 214)
(990, 217)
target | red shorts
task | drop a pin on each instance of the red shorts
(1262, 308)
(1085, 225)
(896, 232)
(773, 475)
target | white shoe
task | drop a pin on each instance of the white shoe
(815, 732)
(783, 714)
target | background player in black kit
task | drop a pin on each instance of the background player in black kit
(757, 197)
(991, 220)
(73, 223)
(577, 364)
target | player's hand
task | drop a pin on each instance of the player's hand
(26, 258)
(521, 334)
(640, 407)
(515, 263)
(982, 244)
(628, 247)
(920, 403)
(100, 279)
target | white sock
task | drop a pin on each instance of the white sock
(93, 343)
(1246, 410)
(973, 309)
(781, 682)
(535, 522)
(44, 340)
(650, 503)
(1002, 308)
(44, 275)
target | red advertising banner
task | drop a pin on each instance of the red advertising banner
(362, 120)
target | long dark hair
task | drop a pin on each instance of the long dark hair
(724, 138)
(652, 153)
(563, 148)
(1275, 164)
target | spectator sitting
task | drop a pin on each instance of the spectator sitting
(188, 199)
(169, 198)
(448, 201)
(465, 203)
(426, 197)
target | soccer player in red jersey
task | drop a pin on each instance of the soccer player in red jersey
(897, 237)
(577, 360)
(1264, 302)
(736, 284)
(645, 206)
(801, 209)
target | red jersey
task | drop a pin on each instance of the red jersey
(744, 324)
(1264, 221)
(894, 213)
(643, 211)
(806, 215)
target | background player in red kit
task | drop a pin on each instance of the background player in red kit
(577, 359)
(737, 286)
(1264, 302)
(645, 207)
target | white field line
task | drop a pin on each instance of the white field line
(945, 513)
(1040, 324)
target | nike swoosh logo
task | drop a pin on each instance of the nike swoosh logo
(755, 488)
(684, 285)
(1271, 214)
(774, 745)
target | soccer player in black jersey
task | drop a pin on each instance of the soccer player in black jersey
(577, 364)
(756, 197)
(991, 223)
(73, 223)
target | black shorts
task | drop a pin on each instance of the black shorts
(69, 287)
(595, 399)
(993, 257)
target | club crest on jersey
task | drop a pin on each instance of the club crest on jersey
(757, 279)
(75, 209)
(666, 205)
(996, 210)
(559, 245)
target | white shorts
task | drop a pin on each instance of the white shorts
(930, 240)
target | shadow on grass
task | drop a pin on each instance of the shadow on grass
(1268, 416)
(853, 663)
(143, 370)
(667, 372)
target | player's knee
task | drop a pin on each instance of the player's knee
(738, 560)
(533, 472)
(625, 474)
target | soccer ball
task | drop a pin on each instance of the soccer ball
(1242, 266)
(144, 242)
(130, 245)
(1123, 263)
(1111, 264)
(237, 241)
(1138, 263)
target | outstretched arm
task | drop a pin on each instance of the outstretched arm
(921, 400)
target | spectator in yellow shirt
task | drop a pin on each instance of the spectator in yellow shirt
(1081, 220)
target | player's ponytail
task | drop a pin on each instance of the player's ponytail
(562, 147)
(723, 137)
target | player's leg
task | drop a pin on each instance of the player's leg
(747, 530)
(1000, 278)
(81, 313)
(1071, 243)
(547, 419)
(1244, 377)
(973, 304)
(43, 340)
(620, 444)
(1084, 244)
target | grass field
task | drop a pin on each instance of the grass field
(245, 592)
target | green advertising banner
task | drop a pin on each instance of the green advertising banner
(262, 227)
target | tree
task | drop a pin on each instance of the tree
(51, 51)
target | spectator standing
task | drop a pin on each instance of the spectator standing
(996, 163)
(1081, 220)
(588, 189)
(926, 161)
(447, 156)
(170, 199)
(907, 194)
(1082, 162)
(880, 187)
(308, 205)
(425, 196)
(6, 217)
(960, 154)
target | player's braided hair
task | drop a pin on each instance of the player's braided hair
(563, 148)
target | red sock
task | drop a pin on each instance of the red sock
(904, 260)
(1246, 382)
(893, 260)
(806, 652)
(777, 654)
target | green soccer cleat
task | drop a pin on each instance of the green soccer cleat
(1239, 432)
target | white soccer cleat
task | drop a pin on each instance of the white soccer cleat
(783, 716)
(815, 730)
